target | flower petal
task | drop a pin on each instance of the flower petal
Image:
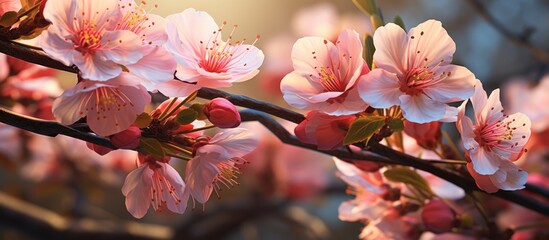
(421, 109)
(390, 42)
(379, 88)
(460, 85)
(484, 162)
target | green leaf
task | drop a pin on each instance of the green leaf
(151, 146)
(369, 50)
(143, 120)
(408, 176)
(367, 6)
(8, 19)
(377, 21)
(363, 128)
(398, 21)
(396, 124)
(199, 108)
(186, 116)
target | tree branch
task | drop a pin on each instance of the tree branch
(378, 153)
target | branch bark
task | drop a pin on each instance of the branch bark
(377, 153)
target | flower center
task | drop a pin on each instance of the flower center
(161, 186)
(332, 78)
(218, 56)
(88, 39)
(103, 100)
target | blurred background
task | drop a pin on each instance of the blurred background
(286, 192)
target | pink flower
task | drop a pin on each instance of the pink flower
(84, 33)
(154, 183)
(438, 217)
(203, 58)
(222, 113)
(157, 65)
(127, 139)
(325, 131)
(109, 107)
(414, 72)
(368, 188)
(215, 162)
(495, 137)
(507, 177)
(325, 75)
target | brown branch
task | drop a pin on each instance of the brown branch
(378, 152)
(520, 39)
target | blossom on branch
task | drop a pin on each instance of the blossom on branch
(203, 58)
(156, 183)
(215, 161)
(414, 72)
(326, 74)
(493, 142)
(109, 107)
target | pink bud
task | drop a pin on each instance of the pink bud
(438, 217)
(325, 131)
(222, 113)
(127, 139)
(427, 135)
(98, 149)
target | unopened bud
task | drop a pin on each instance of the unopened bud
(438, 217)
(222, 113)
(427, 135)
(127, 139)
(98, 149)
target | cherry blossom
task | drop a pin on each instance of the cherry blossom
(414, 72)
(109, 107)
(84, 33)
(493, 142)
(215, 162)
(325, 75)
(203, 58)
(156, 65)
(495, 136)
(156, 183)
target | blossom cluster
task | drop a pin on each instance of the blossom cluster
(396, 87)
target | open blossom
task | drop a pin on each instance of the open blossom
(109, 107)
(325, 131)
(84, 33)
(215, 161)
(157, 65)
(414, 72)
(493, 142)
(325, 75)
(204, 59)
(156, 183)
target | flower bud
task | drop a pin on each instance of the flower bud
(222, 113)
(427, 135)
(323, 130)
(438, 217)
(127, 139)
(98, 149)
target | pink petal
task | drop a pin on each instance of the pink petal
(123, 46)
(61, 13)
(137, 189)
(236, 141)
(458, 86)
(96, 67)
(199, 176)
(176, 88)
(484, 162)
(379, 88)
(57, 47)
(465, 127)
(173, 177)
(492, 111)
(432, 42)
(245, 66)
(390, 42)
(511, 148)
(157, 66)
(483, 181)
(421, 109)
(186, 30)
(509, 177)
(349, 45)
(311, 52)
